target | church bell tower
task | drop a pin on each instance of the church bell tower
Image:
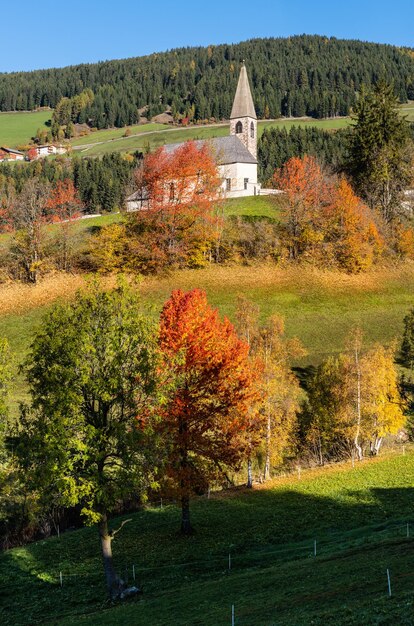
(243, 119)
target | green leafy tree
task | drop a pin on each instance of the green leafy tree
(380, 151)
(85, 439)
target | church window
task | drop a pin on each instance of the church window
(246, 181)
(252, 130)
(228, 184)
(239, 128)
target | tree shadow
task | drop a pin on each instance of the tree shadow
(259, 528)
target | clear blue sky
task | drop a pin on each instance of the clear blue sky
(54, 33)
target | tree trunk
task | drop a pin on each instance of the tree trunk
(113, 583)
(266, 474)
(249, 473)
(357, 445)
(185, 515)
(375, 446)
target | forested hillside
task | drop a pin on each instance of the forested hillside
(302, 75)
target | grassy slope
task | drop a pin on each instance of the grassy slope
(165, 135)
(358, 517)
(18, 128)
(320, 307)
(174, 135)
(116, 133)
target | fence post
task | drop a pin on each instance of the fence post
(61, 579)
(408, 529)
(389, 582)
(232, 615)
(229, 560)
(133, 571)
(314, 548)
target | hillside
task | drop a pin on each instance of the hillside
(357, 516)
(315, 303)
(19, 128)
(302, 75)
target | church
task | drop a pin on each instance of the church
(236, 154)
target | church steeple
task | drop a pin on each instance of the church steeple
(243, 119)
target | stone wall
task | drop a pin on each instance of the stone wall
(245, 138)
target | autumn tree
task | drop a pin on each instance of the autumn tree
(304, 184)
(210, 392)
(64, 206)
(279, 386)
(29, 220)
(84, 440)
(247, 325)
(281, 391)
(180, 224)
(354, 401)
(351, 234)
(5, 380)
(381, 151)
(324, 220)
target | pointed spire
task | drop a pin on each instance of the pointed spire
(243, 102)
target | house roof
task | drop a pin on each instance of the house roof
(243, 102)
(226, 150)
(11, 151)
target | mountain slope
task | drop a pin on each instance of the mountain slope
(302, 75)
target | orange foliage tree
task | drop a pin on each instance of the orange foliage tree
(211, 394)
(324, 219)
(64, 206)
(304, 183)
(181, 223)
(351, 234)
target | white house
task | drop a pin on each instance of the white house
(236, 155)
(7, 154)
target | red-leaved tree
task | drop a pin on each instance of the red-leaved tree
(180, 224)
(211, 393)
(64, 207)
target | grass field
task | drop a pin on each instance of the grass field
(116, 133)
(357, 516)
(319, 307)
(19, 128)
(174, 135)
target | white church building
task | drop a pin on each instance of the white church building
(236, 155)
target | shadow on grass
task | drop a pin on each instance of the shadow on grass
(260, 528)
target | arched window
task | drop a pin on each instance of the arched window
(239, 128)
(252, 130)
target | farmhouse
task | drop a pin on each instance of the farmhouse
(6, 154)
(236, 155)
(39, 152)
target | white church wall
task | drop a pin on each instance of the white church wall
(237, 173)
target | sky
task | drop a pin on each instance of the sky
(53, 33)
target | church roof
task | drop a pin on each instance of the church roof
(227, 150)
(243, 102)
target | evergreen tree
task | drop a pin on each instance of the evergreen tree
(380, 151)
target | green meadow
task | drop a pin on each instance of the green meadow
(157, 138)
(320, 307)
(357, 516)
(18, 128)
